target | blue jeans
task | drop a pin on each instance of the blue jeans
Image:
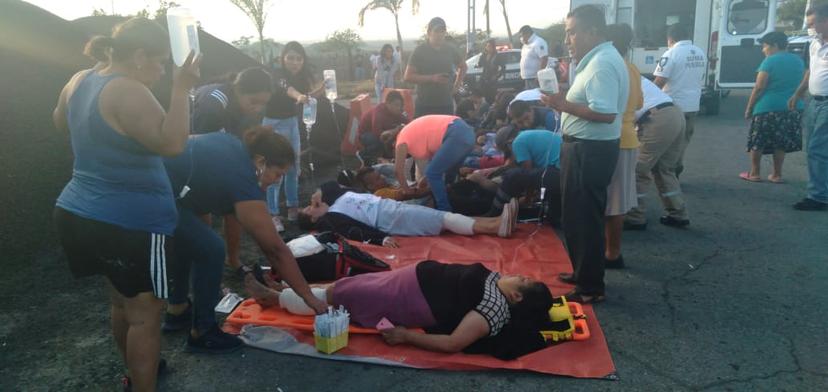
(199, 255)
(816, 146)
(457, 144)
(289, 128)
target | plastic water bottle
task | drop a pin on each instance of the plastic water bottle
(309, 112)
(548, 81)
(329, 76)
(183, 33)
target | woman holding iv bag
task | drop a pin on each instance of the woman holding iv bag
(293, 84)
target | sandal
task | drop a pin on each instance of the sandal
(747, 177)
(567, 278)
(776, 180)
(584, 298)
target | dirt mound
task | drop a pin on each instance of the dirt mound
(40, 51)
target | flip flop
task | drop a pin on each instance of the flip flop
(584, 298)
(778, 180)
(747, 177)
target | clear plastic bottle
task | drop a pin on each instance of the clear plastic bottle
(329, 76)
(548, 81)
(183, 33)
(309, 113)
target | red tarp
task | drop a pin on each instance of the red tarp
(532, 252)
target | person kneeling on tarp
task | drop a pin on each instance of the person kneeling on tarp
(536, 153)
(220, 174)
(461, 307)
(366, 217)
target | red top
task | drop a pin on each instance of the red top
(379, 119)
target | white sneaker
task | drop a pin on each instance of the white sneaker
(505, 229)
(293, 214)
(277, 223)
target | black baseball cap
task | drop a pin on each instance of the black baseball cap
(435, 23)
(776, 38)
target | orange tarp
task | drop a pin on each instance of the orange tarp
(532, 252)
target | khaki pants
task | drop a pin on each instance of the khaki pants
(690, 120)
(663, 141)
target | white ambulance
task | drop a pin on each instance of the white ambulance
(726, 29)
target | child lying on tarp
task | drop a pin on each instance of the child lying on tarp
(369, 218)
(461, 307)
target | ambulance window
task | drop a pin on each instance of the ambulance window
(747, 17)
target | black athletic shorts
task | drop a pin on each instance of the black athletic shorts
(134, 261)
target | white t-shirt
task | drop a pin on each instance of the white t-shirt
(530, 56)
(653, 96)
(683, 66)
(818, 80)
(362, 207)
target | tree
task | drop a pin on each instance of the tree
(163, 6)
(347, 40)
(393, 6)
(242, 42)
(508, 27)
(256, 10)
(791, 13)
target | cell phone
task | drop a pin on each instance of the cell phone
(384, 324)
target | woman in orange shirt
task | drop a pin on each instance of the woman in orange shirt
(443, 141)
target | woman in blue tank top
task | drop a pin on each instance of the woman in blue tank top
(116, 215)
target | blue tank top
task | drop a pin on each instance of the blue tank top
(115, 179)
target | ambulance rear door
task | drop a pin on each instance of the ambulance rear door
(743, 22)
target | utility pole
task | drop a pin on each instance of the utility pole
(488, 27)
(470, 28)
(805, 17)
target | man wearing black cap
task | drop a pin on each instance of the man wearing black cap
(438, 69)
(534, 55)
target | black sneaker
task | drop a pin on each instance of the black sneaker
(674, 222)
(180, 322)
(807, 204)
(214, 341)
(618, 263)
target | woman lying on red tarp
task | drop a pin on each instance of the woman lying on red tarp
(461, 307)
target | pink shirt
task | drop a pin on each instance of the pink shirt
(424, 135)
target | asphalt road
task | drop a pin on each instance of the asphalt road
(735, 302)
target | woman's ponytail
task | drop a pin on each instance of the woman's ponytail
(98, 48)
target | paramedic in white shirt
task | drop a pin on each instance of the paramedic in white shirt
(661, 127)
(680, 74)
(534, 55)
(816, 125)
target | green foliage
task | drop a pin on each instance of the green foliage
(791, 13)
(256, 10)
(342, 40)
(242, 42)
(392, 6)
(163, 6)
(554, 35)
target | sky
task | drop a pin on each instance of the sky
(313, 20)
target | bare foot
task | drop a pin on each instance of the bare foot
(263, 295)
